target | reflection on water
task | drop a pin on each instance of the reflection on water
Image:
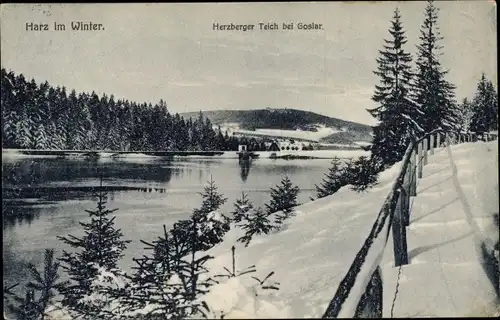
(17, 213)
(46, 197)
(245, 169)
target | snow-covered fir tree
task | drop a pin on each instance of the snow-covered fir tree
(362, 173)
(242, 207)
(433, 93)
(256, 222)
(396, 112)
(485, 106)
(92, 266)
(465, 115)
(283, 199)
(334, 179)
(211, 224)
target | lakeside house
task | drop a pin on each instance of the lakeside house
(290, 145)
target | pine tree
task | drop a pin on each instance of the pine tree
(485, 105)
(255, 223)
(361, 173)
(242, 207)
(334, 179)
(98, 252)
(168, 283)
(433, 93)
(465, 115)
(210, 224)
(40, 291)
(283, 198)
(397, 113)
(151, 281)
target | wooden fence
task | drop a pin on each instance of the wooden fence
(360, 293)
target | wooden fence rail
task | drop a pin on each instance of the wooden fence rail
(360, 293)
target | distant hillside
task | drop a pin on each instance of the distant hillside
(288, 119)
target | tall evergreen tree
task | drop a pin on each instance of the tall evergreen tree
(485, 106)
(100, 248)
(397, 113)
(433, 93)
(465, 115)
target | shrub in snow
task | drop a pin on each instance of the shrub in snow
(256, 222)
(240, 293)
(242, 208)
(283, 199)
(233, 272)
(39, 293)
(98, 249)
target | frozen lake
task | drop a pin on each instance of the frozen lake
(32, 225)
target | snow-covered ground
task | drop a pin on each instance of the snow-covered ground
(322, 131)
(451, 215)
(297, 134)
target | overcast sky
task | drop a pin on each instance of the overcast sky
(149, 52)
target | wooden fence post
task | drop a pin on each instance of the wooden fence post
(438, 140)
(420, 162)
(371, 303)
(399, 233)
(405, 202)
(432, 144)
(486, 136)
(413, 173)
(425, 149)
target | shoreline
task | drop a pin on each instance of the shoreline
(172, 155)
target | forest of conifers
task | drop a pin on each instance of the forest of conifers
(40, 116)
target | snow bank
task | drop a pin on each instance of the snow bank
(312, 254)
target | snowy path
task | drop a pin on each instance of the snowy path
(450, 218)
(312, 255)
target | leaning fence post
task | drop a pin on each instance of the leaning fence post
(413, 173)
(432, 144)
(371, 302)
(419, 159)
(405, 202)
(399, 233)
(425, 148)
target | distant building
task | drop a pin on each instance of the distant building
(274, 146)
(242, 148)
(290, 145)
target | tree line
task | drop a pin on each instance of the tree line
(40, 116)
(413, 100)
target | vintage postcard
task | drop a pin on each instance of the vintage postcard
(250, 160)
